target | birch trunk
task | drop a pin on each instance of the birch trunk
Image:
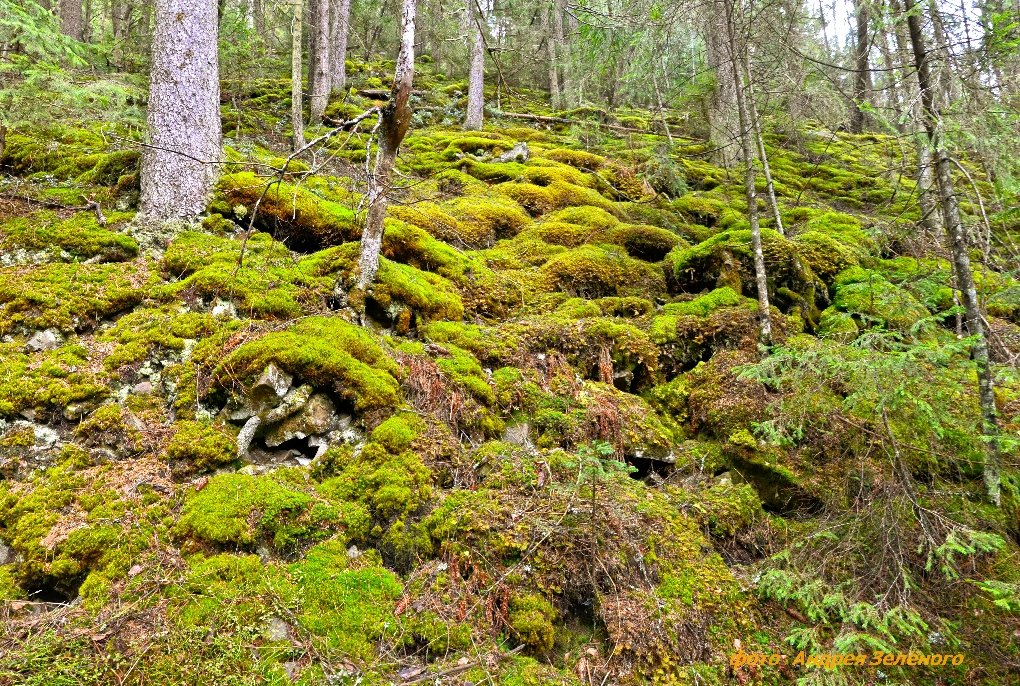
(394, 121)
(932, 120)
(476, 78)
(181, 163)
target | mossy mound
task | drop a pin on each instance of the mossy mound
(871, 299)
(593, 272)
(327, 352)
(290, 213)
(78, 238)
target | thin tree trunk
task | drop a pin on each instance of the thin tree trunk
(181, 163)
(770, 189)
(961, 258)
(555, 97)
(71, 23)
(476, 77)
(862, 73)
(373, 33)
(394, 121)
(747, 150)
(296, 115)
(569, 94)
(340, 26)
(660, 105)
(319, 88)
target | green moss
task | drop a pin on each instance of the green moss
(838, 325)
(491, 216)
(9, 589)
(144, 331)
(350, 604)
(68, 153)
(868, 296)
(595, 219)
(645, 242)
(531, 620)
(69, 297)
(580, 159)
(77, 238)
(591, 272)
(288, 212)
(49, 380)
(110, 426)
(269, 282)
(327, 352)
(200, 446)
(242, 510)
(391, 485)
(398, 432)
(538, 200)
(728, 508)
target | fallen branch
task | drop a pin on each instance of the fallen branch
(90, 204)
(457, 669)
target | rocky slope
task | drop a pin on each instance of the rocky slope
(544, 448)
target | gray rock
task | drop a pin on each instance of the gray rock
(7, 554)
(294, 401)
(247, 433)
(277, 629)
(518, 153)
(272, 386)
(519, 435)
(317, 416)
(142, 388)
(43, 340)
(224, 308)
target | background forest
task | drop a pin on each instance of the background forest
(489, 342)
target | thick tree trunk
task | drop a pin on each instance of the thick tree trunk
(723, 124)
(737, 65)
(961, 259)
(319, 86)
(181, 163)
(394, 121)
(340, 26)
(862, 72)
(476, 77)
(71, 23)
(296, 95)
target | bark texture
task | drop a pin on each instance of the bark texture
(339, 24)
(959, 248)
(723, 122)
(181, 163)
(476, 78)
(296, 114)
(71, 23)
(394, 121)
(319, 55)
(862, 73)
(738, 70)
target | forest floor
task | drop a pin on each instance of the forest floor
(544, 448)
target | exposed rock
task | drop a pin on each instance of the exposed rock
(519, 435)
(225, 309)
(142, 388)
(7, 554)
(272, 386)
(317, 416)
(292, 402)
(43, 340)
(277, 629)
(247, 433)
(518, 153)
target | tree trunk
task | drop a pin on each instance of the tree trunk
(181, 163)
(340, 26)
(747, 152)
(569, 97)
(319, 86)
(296, 115)
(476, 77)
(862, 73)
(71, 23)
(394, 120)
(555, 98)
(723, 124)
(770, 189)
(961, 259)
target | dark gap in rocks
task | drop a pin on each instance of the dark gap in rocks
(376, 312)
(778, 495)
(647, 468)
(51, 590)
(301, 445)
